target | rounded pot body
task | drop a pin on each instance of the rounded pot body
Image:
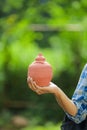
(40, 71)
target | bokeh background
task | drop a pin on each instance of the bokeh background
(58, 30)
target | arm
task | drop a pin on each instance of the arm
(66, 104)
(76, 109)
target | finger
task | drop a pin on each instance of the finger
(36, 86)
(39, 92)
(32, 82)
(29, 81)
(33, 86)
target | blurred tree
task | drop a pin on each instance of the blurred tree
(64, 47)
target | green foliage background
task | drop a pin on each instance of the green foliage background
(65, 48)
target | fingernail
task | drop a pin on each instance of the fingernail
(27, 78)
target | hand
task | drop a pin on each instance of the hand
(66, 104)
(52, 88)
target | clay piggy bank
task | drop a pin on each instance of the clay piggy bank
(40, 71)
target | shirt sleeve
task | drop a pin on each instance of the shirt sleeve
(79, 98)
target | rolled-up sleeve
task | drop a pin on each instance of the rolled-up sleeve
(80, 98)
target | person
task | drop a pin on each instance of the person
(75, 108)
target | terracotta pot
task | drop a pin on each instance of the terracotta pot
(40, 71)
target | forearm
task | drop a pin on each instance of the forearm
(66, 104)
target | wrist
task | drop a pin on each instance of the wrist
(56, 91)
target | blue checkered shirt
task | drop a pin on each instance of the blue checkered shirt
(80, 98)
